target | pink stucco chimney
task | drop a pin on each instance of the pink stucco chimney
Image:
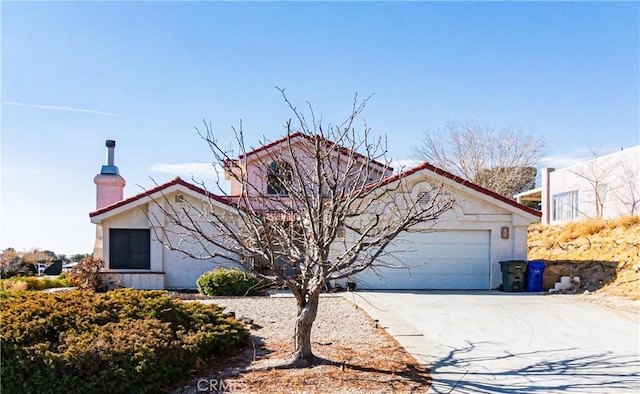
(109, 183)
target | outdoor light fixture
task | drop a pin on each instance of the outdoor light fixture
(504, 232)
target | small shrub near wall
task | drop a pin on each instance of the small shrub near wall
(86, 275)
(124, 341)
(227, 282)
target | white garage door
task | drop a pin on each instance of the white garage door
(450, 259)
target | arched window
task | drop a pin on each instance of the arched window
(279, 178)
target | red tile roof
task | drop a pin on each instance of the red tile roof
(299, 134)
(175, 181)
(404, 174)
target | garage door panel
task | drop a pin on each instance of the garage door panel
(450, 265)
(448, 237)
(431, 252)
(402, 280)
(442, 260)
(442, 251)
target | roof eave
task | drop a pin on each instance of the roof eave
(149, 195)
(463, 182)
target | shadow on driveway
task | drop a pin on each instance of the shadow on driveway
(495, 342)
(563, 370)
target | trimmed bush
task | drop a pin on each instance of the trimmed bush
(117, 342)
(227, 282)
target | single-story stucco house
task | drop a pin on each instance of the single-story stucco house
(603, 187)
(463, 252)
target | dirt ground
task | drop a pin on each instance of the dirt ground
(604, 254)
(363, 358)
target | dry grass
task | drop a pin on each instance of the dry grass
(379, 367)
(14, 286)
(609, 241)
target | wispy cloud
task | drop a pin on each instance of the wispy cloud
(400, 165)
(203, 174)
(71, 109)
(85, 111)
(575, 156)
(562, 161)
(190, 170)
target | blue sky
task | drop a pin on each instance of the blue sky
(145, 73)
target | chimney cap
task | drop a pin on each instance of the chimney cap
(110, 168)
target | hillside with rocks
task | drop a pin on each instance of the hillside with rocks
(603, 254)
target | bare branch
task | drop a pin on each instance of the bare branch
(503, 162)
(318, 205)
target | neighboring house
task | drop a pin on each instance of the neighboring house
(604, 187)
(462, 253)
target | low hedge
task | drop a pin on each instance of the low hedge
(227, 282)
(33, 283)
(117, 342)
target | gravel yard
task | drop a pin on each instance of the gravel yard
(373, 360)
(338, 321)
(603, 299)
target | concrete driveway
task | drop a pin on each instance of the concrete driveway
(494, 342)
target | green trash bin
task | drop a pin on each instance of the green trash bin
(513, 272)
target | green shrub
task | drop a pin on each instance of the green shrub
(227, 282)
(117, 342)
(21, 283)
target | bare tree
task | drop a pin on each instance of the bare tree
(13, 262)
(607, 178)
(629, 192)
(324, 208)
(503, 161)
(8, 258)
(597, 173)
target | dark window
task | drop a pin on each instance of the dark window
(279, 178)
(129, 249)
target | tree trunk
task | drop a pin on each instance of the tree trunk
(307, 311)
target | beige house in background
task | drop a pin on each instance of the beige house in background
(604, 187)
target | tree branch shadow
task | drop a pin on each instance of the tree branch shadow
(545, 371)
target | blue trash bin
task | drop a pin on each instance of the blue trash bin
(533, 279)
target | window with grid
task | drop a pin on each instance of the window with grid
(279, 178)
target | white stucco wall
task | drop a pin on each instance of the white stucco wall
(182, 271)
(133, 219)
(138, 280)
(168, 268)
(620, 171)
(172, 269)
(474, 211)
